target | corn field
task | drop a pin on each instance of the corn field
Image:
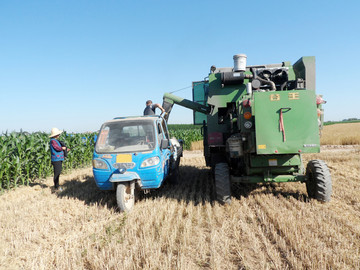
(25, 157)
(189, 135)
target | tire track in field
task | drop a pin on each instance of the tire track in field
(335, 209)
(269, 227)
(334, 213)
(224, 240)
(332, 239)
(248, 228)
(205, 186)
(221, 220)
(203, 221)
(326, 228)
(256, 222)
(314, 231)
(160, 230)
(166, 225)
(273, 212)
(209, 226)
(344, 192)
(188, 194)
(216, 225)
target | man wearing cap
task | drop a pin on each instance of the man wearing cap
(57, 155)
(150, 108)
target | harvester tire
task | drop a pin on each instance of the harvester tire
(318, 184)
(125, 196)
(222, 183)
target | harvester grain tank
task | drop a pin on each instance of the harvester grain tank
(257, 122)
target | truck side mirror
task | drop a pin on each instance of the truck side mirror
(164, 144)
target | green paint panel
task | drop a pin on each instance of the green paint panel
(219, 96)
(299, 113)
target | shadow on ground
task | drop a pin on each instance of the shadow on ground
(38, 184)
(244, 190)
(88, 192)
(195, 185)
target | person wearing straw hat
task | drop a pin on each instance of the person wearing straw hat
(57, 156)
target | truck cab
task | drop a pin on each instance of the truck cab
(133, 154)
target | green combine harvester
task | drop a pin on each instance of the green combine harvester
(257, 122)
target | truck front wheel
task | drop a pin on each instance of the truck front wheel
(125, 196)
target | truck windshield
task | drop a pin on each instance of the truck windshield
(126, 136)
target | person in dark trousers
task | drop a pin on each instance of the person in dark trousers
(150, 108)
(57, 156)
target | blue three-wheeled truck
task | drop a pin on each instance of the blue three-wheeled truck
(135, 154)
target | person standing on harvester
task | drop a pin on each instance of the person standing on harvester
(150, 108)
(57, 156)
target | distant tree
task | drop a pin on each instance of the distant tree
(350, 119)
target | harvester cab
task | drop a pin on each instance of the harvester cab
(257, 121)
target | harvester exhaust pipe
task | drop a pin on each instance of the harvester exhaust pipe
(268, 82)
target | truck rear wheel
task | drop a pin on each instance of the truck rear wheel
(125, 196)
(174, 177)
(318, 184)
(222, 183)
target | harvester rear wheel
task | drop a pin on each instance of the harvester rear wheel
(125, 196)
(222, 183)
(318, 184)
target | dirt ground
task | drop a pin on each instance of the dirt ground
(267, 226)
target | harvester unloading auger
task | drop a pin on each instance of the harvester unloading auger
(257, 121)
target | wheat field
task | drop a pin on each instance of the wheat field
(341, 134)
(267, 226)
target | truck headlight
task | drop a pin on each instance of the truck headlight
(100, 164)
(153, 161)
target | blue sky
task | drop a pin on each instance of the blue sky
(75, 64)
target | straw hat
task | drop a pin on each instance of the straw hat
(55, 132)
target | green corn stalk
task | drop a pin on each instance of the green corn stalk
(189, 135)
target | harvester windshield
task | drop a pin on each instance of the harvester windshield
(126, 136)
